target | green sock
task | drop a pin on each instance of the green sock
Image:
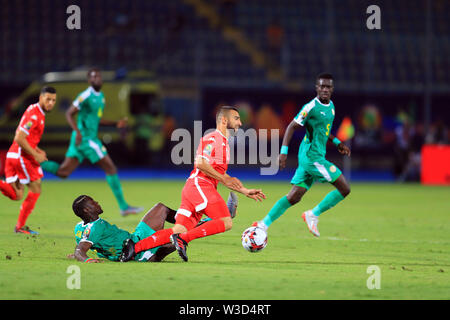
(50, 166)
(114, 184)
(277, 210)
(330, 200)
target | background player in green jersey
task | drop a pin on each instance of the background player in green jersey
(317, 118)
(94, 233)
(85, 144)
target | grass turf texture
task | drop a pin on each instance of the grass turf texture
(402, 229)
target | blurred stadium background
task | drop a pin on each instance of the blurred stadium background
(168, 63)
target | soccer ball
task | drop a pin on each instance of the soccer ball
(254, 239)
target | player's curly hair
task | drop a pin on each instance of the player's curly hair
(78, 205)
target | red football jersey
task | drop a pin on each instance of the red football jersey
(33, 124)
(215, 149)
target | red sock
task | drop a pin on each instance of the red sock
(207, 229)
(7, 190)
(26, 208)
(155, 240)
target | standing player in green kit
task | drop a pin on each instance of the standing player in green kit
(84, 142)
(317, 118)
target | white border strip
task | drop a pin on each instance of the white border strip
(203, 205)
(323, 171)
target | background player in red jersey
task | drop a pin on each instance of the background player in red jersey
(23, 159)
(199, 195)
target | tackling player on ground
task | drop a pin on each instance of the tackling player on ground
(317, 118)
(23, 159)
(85, 144)
(199, 195)
(94, 233)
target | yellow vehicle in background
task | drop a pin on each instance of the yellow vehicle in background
(126, 96)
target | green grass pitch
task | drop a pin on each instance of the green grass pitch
(402, 229)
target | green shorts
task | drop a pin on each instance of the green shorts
(89, 148)
(309, 172)
(143, 231)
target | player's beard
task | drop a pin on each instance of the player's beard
(232, 132)
(47, 110)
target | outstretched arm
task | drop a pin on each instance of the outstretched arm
(80, 252)
(228, 181)
(255, 194)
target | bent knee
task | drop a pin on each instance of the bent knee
(19, 196)
(178, 228)
(228, 222)
(159, 206)
(296, 194)
(294, 197)
(63, 174)
(345, 191)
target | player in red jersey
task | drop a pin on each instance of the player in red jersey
(199, 195)
(23, 159)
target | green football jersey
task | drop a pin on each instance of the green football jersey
(317, 118)
(105, 238)
(91, 105)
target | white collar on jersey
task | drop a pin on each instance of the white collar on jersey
(85, 224)
(40, 109)
(222, 134)
(326, 105)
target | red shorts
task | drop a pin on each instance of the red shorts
(197, 198)
(19, 167)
